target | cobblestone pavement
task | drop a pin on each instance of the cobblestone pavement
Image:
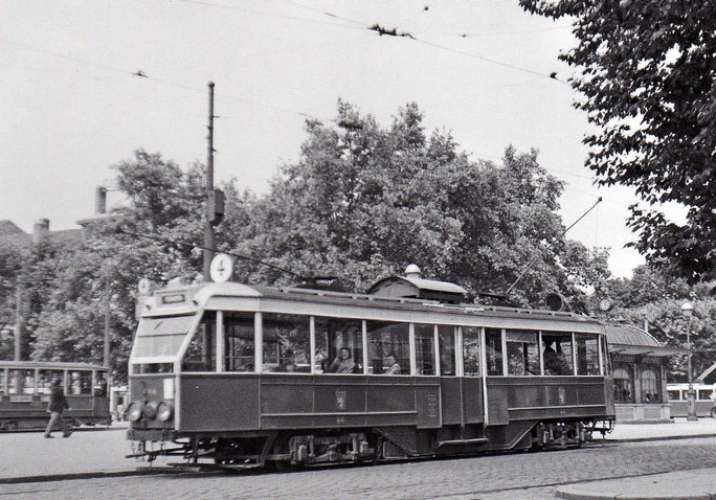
(497, 477)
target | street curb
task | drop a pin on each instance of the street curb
(621, 496)
(87, 475)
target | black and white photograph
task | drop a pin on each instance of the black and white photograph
(343, 249)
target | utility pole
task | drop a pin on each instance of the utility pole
(18, 320)
(107, 309)
(209, 237)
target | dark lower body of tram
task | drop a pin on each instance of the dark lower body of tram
(249, 420)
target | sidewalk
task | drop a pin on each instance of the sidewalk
(705, 426)
(692, 485)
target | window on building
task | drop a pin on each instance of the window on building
(446, 338)
(493, 346)
(80, 382)
(200, 355)
(557, 354)
(425, 349)
(649, 386)
(286, 343)
(522, 353)
(623, 392)
(471, 351)
(339, 345)
(239, 342)
(587, 355)
(388, 350)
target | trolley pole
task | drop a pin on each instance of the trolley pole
(209, 236)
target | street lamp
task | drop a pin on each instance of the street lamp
(688, 308)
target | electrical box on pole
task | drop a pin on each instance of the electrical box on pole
(216, 207)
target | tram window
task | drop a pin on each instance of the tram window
(674, 395)
(80, 382)
(286, 343)
(339, 345)
(522, 353)
(471, 351)
(493, 342)
(21, 382)
(649, 386)
(200, 355)
(239, 342)
(557, 354)
(161, 336)
(705, 394)
(622, 386)
(144, 368)
(446, 337)
(45, 378)
(388, 350)
(587, 355)
(2, 381)
(425, 349)
(100, 384)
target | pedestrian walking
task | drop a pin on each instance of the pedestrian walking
(56, 406)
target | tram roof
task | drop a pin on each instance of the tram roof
(50, 365)
(202, 294)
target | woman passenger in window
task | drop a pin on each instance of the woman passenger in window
(343, 363)
(393, 368)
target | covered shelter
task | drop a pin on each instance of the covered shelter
(639, 367)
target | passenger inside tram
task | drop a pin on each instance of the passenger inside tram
(343, 363)
(391, 365)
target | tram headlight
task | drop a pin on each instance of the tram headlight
(150, 410)
(134, 413)
(165, 411)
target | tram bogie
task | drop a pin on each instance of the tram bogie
(242, 377)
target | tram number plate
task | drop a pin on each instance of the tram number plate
(340, 420)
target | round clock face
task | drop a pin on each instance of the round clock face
(222, 268)
(605, 305)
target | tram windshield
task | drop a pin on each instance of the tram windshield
(161, 337)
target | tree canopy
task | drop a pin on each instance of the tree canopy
(646, 71)
(364, 201)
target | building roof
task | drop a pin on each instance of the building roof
(629, 339)
(11, 234)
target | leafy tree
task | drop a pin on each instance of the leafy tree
(647, 70)
(364, 201)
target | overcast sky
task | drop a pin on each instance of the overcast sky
(70, 106)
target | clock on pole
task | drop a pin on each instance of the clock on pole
(222, 268)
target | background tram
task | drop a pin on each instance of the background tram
(679, 399)
(238, 375)
(25, 391)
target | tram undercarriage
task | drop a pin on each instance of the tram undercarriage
(297, 449)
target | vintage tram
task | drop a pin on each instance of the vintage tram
(25, 391)
(244, 376)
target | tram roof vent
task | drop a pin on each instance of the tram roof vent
(413, 286)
